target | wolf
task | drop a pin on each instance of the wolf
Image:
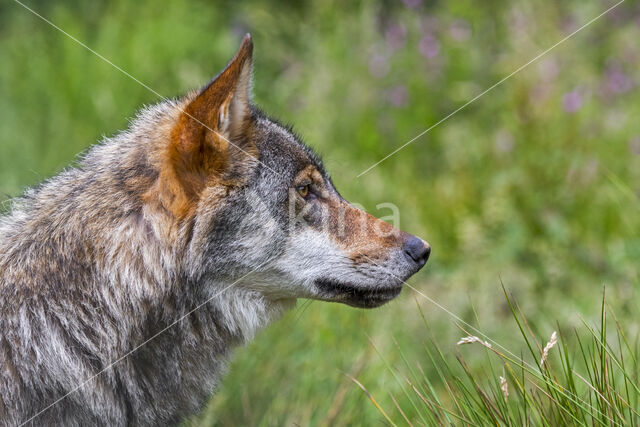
(127, 280)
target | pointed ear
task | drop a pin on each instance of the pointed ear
(209, 142)
(223, 106)
(217, 119)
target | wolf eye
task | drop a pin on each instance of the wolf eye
(303, 190)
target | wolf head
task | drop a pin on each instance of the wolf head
(258, 207)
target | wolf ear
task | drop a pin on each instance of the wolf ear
(216, 121)
(223, 106)
(210, 137)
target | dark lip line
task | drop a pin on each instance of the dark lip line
(337, 287)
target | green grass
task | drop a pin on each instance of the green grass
(590, 378)
(534, 185)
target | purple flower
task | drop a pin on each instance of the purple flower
(412, 4)
(398, 96)
(379, 65)
(396, 36)
(572, 101)
(429, 47)
(617, 81)
(460, 30)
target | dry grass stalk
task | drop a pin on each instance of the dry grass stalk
(545, 352)
(473, 339)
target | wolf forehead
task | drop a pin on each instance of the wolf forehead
(281, 151)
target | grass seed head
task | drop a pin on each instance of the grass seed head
(545, 352)
(504, 387)
(473, 339)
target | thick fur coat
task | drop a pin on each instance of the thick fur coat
(125, 281)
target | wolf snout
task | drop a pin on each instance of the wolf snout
(417, 250)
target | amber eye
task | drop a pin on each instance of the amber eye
(303, 190)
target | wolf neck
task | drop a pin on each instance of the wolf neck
(242, 312)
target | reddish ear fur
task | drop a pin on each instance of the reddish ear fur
(211, 126)
(222, 107)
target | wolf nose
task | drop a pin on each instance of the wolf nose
(418, 250)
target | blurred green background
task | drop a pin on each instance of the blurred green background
(534, 185)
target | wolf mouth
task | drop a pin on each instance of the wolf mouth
(358, 296)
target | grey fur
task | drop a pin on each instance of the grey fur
(89, 271)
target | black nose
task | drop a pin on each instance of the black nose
(418, 250)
